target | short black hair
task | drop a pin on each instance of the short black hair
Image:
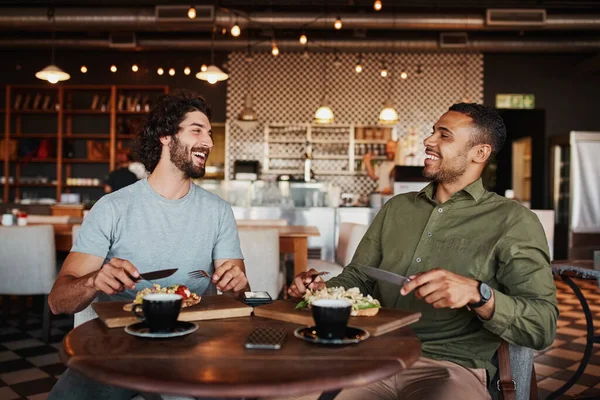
(167, 113)
(488, 123)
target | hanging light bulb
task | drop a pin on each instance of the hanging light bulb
(359, 68)
(275, 49)
(236, 30)
(134, 68)
(384, 72)
(388, 114)
(52, 73)
(338, 23)
(404, 74)
(160, 71)
(212, 75)
(377, 5)
(248, 113)
(83, 69)
(203, 68)
(224, 31)
(172, 71)
(192, 13)
(303, 39)
(113, 68)
(187, 70)
(324, 114)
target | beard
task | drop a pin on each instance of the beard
(181, 157)
(449, 171)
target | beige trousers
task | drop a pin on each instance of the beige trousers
(426, 379)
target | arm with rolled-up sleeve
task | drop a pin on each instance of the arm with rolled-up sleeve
(525, 310)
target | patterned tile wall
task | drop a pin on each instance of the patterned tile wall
(288, 89)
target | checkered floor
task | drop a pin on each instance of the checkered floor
(29, 367)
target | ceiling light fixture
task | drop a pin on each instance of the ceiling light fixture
(274, 49)
(324, 114)
(113, 68)
(404, 74)
(172, 71)
(134, 68)
(303, 39)
(377, 5)
(235, 29)
(187, 70)
(388, 114)
(52, 73)
(338, 23)
(192, 13)
(160, 71)
(384, 71)
(203, 68)
(213, 74)
(359, 68)
(83, 69)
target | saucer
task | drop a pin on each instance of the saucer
(140, 329)
(353, 335)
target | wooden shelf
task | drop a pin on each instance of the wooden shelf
(84, 161)
(34, 136)
(126, 137)
(370, 141)
(285, 141)
(84, 186)
(330, 157)
(36, 160)
(33, 185)
(283, 171)
(285, 157)
(132, 112)
(332, 172)
(90, 112)
(34, 112)
(87, 136)
(324, 141)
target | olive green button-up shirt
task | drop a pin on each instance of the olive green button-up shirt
(476, 234)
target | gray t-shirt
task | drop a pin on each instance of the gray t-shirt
(153, 233)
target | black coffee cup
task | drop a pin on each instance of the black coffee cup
(160, 311)
(331, 317)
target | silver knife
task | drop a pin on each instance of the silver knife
(385, 276)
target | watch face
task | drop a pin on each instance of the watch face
(485, 291)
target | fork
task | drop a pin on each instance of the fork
(199, 274)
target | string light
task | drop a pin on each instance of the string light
(83, 69)
(359, 68)
(235, 30)
(134, 68)
(303, 39)
(203, 68)
(384, 71)
(187, 70)
(192, 13)
(377, 5)
(404, 75)
(275, 49)
(338, 23)
(224, 31)
(172, 71)
(160, 71)
(113, 68)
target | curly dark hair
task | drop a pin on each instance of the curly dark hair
(167, 113)
(488, 123)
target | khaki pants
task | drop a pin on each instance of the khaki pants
(426, 379)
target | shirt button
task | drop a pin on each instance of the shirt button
(418, 260)
(440, 210)
(429, 234)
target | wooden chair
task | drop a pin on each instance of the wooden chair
(28, 264)
(515, 378)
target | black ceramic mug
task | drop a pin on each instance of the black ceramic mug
(160, 311)
(331, 318)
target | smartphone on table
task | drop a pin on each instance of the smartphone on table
(266, 339)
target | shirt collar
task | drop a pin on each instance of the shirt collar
(475, 190)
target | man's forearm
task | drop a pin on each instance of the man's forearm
(486, 311)
(70, 294)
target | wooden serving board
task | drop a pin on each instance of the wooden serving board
(385, 321)
(210, 307)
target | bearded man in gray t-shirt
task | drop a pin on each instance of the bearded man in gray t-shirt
(161, 222)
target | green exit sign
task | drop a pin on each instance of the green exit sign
(515, 101)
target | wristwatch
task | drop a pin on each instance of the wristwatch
(486, 294)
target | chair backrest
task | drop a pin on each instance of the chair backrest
(349, 238)
(260, 247)
(261, 222)
(27, 260)
(521, 368)
(546, 217)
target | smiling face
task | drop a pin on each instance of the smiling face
(190, 147)
(449, 148)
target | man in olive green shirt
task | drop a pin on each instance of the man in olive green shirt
(455, 240)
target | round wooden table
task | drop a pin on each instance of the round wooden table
(212, 362)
